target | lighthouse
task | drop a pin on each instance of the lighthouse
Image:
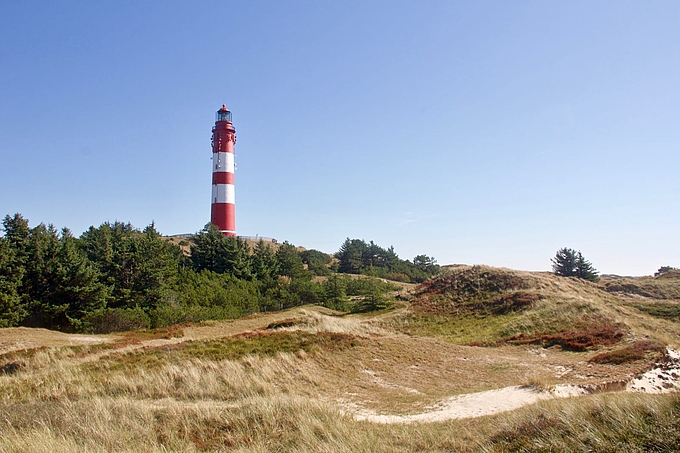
(223, 200)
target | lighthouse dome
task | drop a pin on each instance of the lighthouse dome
(223, 114)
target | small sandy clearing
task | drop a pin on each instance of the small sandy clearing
(665, 378)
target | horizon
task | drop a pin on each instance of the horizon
(489, 133)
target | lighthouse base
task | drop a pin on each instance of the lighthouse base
(223, 216)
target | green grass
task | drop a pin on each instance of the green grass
(263, 344)
(457, 330)
(661, 310)
(546, 318)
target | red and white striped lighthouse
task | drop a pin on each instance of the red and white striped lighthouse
(223, 200)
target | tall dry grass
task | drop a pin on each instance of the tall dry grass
(607, 423)
(602, 423)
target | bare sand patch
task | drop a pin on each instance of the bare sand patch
(662, 379)
(466, 406)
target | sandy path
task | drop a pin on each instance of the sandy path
(466, 406)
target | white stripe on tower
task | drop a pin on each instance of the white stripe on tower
(223, 162)
(223, 193)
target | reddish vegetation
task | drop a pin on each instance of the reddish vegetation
(570, 340)
(636, 351)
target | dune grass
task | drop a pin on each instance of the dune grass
(605, 423)
(263, 384)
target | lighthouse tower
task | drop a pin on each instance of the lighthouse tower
(223, 201)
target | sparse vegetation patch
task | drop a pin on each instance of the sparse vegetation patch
(175, 331)
(284, 323)
(474, 291)
(476, 282)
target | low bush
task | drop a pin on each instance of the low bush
(637, 351)
(117, 320)
(168, 316)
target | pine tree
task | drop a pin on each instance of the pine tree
(585, 269)
(11, 273)
(208, 250)
(564, 263)
(663, 270)
(335, 294)
(265, 263)
(290, 262)
(570, 263)
(351, 255)
(238, 259)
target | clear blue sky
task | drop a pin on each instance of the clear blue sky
(489, 132)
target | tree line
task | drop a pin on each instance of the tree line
(116, 277)
(356, 256)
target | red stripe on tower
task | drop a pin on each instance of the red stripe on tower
(223, 200)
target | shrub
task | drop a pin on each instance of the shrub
(168, 316)
(117, 320)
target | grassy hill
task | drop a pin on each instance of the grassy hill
(479, 304)
(431, 374)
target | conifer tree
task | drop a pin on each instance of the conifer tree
(570, 263)
(11, 273)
